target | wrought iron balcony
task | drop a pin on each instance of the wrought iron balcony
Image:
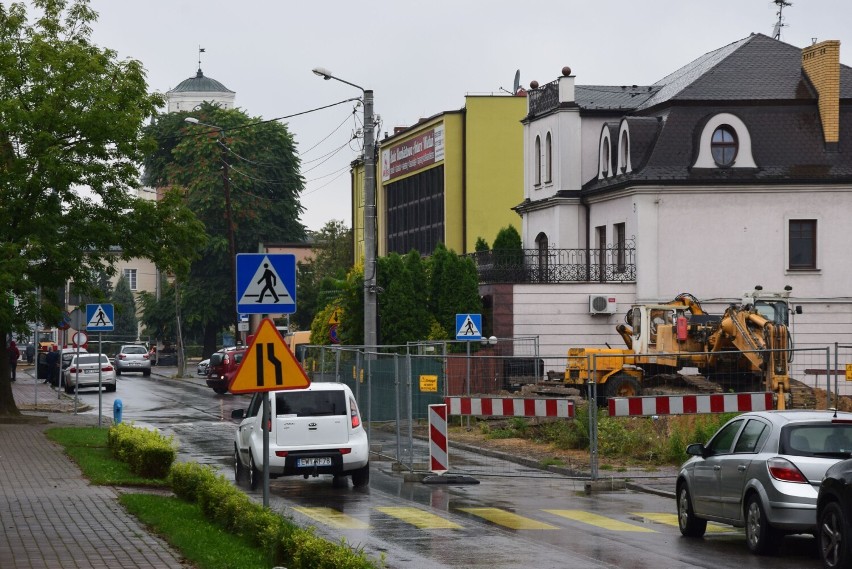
(612, 264)
(543, 99)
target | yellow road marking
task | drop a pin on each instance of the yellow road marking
(419, 518)
(333, 518)
(507, 519)
(598, 521)
(671, 520)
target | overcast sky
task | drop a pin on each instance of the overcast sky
(422, 58)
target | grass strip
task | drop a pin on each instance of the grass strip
(87, 446)
(184, 526)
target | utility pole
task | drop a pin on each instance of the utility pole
(370, 287)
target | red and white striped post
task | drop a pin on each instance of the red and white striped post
(438, 452)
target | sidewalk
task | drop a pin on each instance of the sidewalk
(51, 516)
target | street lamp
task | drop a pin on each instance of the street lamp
(370, 287)
(231, 245)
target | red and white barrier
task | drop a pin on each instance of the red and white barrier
(510, 407)
(690, 404)
(438, 452)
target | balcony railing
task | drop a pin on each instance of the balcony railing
(612, 264)
(543, 99)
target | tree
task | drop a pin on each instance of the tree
(70, 140)
(126, 325)
(321, 278)
(264, 183)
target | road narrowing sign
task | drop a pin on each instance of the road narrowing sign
(268, 364)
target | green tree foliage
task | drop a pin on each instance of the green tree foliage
(264, 183)
(403, 313)
(351, 329)
(508, 247)
(70, 140)
(126, 325)
(481, 245)
(321, 278)
(158, 315)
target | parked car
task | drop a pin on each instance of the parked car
(315, 430)
(67, 355)
(83, 371)
(203, 366)
(834, 516)
(166, 357)
(223, 365)
(132, 357)
(762, 471)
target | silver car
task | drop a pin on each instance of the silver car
(133, 357)
(762, 471)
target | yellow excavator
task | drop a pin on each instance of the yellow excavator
(741, 350)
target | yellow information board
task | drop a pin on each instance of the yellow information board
(848, 372)
(268, 364)
(429, 383)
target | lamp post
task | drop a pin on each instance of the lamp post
(228, 220)
(370, 287)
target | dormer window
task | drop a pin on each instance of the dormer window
(625, 152)
(723, 145)
(605, 158)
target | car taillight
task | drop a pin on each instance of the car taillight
(281, 453)
(106, 368)
(122, 356)
(356, 420)
(226, 360)
(146, 357)
(72, 370)
(785, 471)
(345, 450)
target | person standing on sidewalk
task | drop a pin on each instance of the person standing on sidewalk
(14, 355)
(52, 361)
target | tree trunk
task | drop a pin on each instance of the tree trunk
(210, 345)
(7, 401)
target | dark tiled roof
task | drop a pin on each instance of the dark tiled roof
(607, 97)
(752, 69)
(200, 84)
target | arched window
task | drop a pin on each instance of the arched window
(537, 160)
(543, 257)
(625, 152)
(548, 159)
(723, 145)
(605, 157)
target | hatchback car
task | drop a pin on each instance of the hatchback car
(89, 370)
(313, 431)
(203, 367)
(133, 357)
(762, 471)
(223, 365)
(834, 516)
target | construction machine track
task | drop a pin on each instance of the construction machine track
(673, 383)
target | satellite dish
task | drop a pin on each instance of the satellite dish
(517, 84)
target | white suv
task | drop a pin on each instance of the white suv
(316, 430)
(133, 357)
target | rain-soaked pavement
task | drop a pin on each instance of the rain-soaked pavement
(513, 518)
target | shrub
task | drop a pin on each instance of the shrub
(187, 477)
(147, 452)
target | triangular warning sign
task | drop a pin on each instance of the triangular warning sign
(468, 328)
(99, 319)
(266, 287)
(268, 364)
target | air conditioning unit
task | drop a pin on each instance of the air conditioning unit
(600, 304)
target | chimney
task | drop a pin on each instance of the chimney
(821, 63)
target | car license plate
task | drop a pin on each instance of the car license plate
(91, 371)
(320, 461)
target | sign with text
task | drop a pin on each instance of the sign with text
(413, 154)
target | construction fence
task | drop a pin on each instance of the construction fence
(394, 386)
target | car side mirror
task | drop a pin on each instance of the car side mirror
(696, 449)
(238, 414)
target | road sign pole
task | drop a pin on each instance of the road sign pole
(265, 451)
(101, 378)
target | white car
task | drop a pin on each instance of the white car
(202, 368)
(316, 430)
(88, 370)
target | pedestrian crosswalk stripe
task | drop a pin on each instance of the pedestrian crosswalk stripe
(507, 519)
(671, 520)
(599, 521)
(333, 518)
(419, 518)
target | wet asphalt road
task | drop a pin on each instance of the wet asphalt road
(507, 521)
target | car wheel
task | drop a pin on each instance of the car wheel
(361, 477)
(117, 371)
(834, 548)
(111, 387)
(690, 525)
(761, 538)
(146, 373)
(238, 466)
(254, 475)
(69, 388)
(221, 390)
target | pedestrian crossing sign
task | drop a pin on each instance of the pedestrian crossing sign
(100, 318)
(469, 327)
(266, 283)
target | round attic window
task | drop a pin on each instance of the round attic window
(723, 145)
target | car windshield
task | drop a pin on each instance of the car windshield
(134, 350)
(824, 439)
(92, 359)
(310, 403)
(216, 359)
